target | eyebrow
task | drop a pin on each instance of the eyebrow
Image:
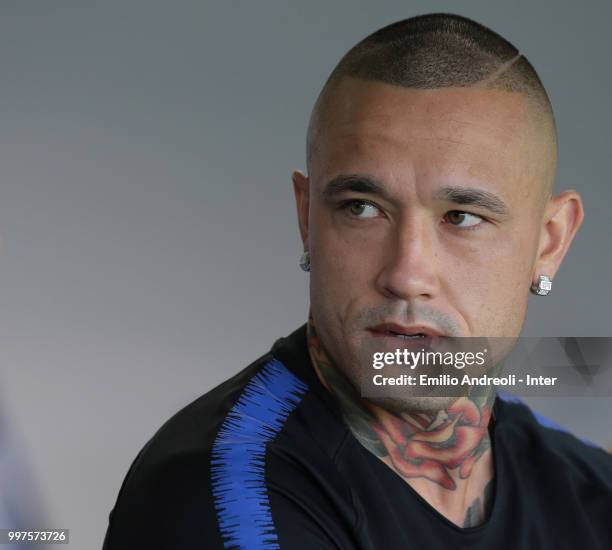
(474, 197)
(357, 184)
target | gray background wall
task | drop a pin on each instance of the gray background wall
(148, 238)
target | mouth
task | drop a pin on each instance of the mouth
(412, 337)
(416, 336)
(412, 332)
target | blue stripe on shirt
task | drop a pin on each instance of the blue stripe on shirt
(238, 456)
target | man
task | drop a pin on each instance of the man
(427, 213)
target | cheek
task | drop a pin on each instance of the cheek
(346, 254)
(344, 265)
(489, 284)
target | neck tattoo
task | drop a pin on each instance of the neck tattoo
(442, 447)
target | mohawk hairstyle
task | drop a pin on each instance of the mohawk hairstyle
(440, 50)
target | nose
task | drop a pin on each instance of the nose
(410, 265)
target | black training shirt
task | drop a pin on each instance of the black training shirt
(265, 460)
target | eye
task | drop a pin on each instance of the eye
(360, 209)
(462, 219)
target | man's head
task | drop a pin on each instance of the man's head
(431, 158)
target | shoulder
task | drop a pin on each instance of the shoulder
(169, 480)
(247, 409)
(257, 398)
(535, 436)
(220, 462)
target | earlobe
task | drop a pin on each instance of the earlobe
(563, 218)
(301, 189)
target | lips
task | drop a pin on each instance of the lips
(407, 332)
(409, 337)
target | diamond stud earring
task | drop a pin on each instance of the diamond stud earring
(305, 261)
(543, 286)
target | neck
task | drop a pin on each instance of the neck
(445, 455)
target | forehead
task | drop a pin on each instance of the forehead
(449, 131)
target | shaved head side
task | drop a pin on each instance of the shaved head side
(440, 51)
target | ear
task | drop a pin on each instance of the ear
(562, 219)
(301, 188)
